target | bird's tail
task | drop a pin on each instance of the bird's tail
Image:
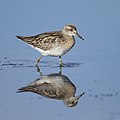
(20, 37)
(28, 39)
(26, 89)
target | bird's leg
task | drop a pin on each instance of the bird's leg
(38, 70)
(60, 72)
(60, 60)
(37, 61)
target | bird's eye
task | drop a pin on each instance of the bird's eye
(71, 29)
(73, 102)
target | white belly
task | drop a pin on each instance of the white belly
(58, 51)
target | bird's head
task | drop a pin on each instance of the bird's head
(72, 101)
(71, 30)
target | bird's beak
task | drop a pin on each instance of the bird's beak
(80, 36)
(80, 95)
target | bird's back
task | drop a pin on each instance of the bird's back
(44, 41)
(46, 90)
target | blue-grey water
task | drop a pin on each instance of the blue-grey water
(93, 66)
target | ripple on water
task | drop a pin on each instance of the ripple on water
(31, 63)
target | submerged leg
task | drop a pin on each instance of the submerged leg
(38, 70)
(37, 61)
(60, 72)
(60, 59)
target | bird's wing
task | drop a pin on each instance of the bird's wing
(45, 89)
(44, 41)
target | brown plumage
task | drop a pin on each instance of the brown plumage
(45, 41)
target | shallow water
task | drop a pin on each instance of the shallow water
(93, 66)
(102, 92)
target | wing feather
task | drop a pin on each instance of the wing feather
(44, 41)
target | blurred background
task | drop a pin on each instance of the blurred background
(93, 65)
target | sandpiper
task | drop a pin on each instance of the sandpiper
(55, 86)
(55, 43)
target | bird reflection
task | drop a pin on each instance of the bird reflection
(55, 86)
